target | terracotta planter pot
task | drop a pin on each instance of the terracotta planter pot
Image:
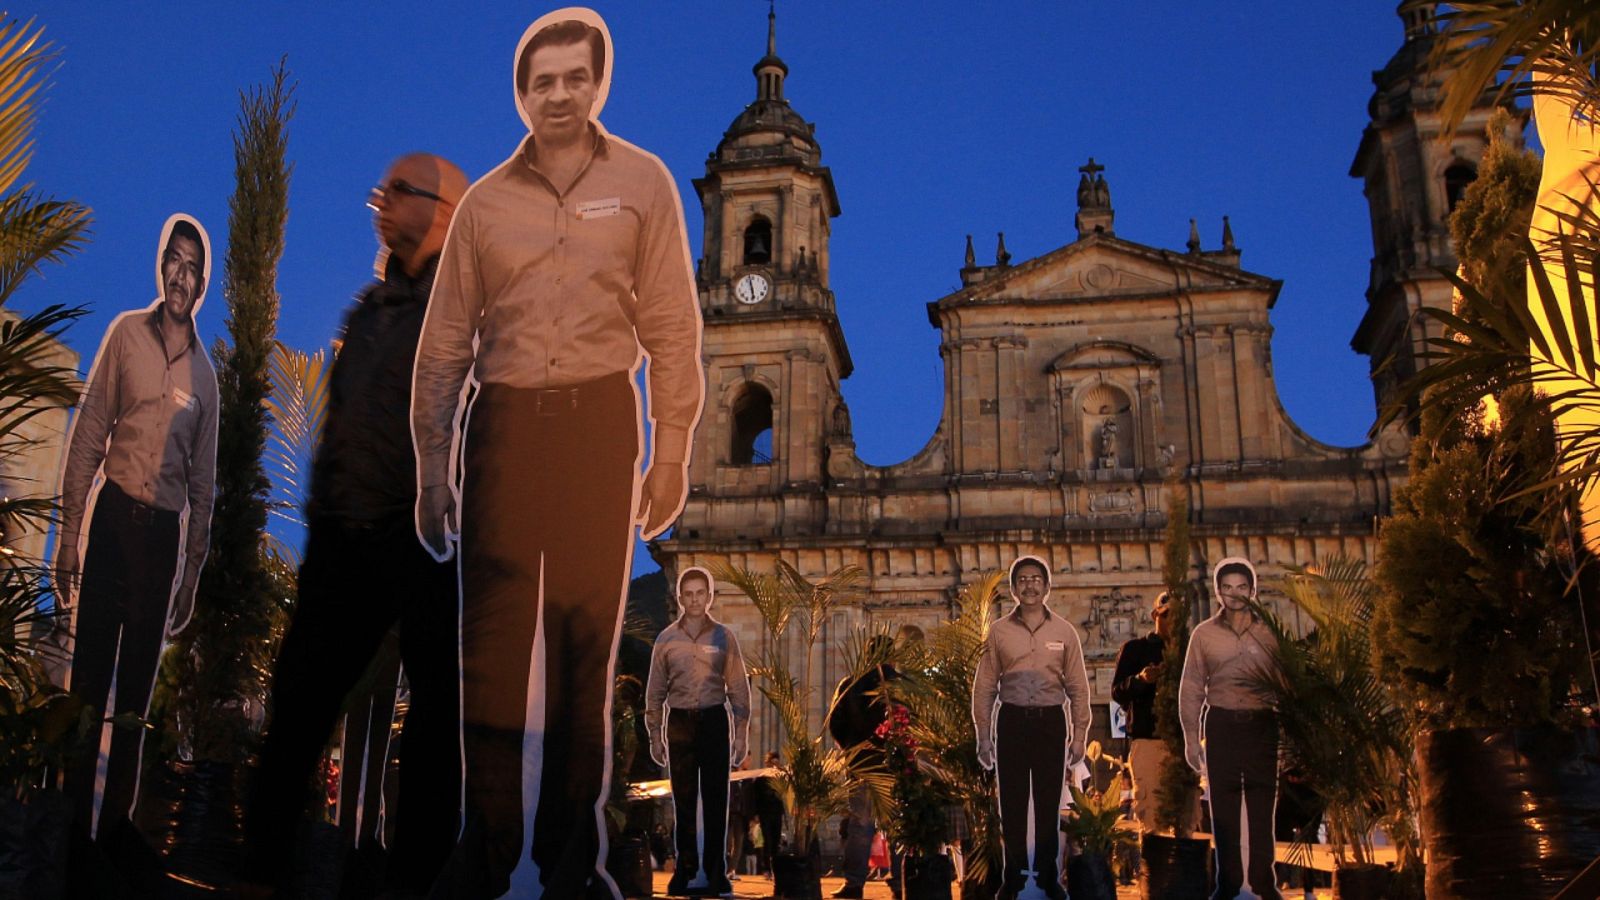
(1175, 868)
(796, 877)
(33, 846)
(1508, 812)
(1089, 877)
(1363, 882)
(927, 877)
(207, 841)
(628, 863)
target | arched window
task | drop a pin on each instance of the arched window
(1456, 179)
(752, 427)
(758, 242)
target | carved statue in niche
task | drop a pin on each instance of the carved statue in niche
(1108, 443)
(841, 420)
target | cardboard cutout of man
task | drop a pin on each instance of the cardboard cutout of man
(1230, 730)
(364, 571)
(565, 267)
(697, 712)
(140, 471)
(1032, 667)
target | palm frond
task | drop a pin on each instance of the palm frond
(1326, 683)
(297, 397)
(1516, 48)
(1500, 343)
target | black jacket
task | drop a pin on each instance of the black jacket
(366, 468)
(855, 714)
(1137, 697)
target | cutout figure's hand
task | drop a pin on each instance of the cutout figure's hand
(664, 491)
(1196, 759)
(658, 751)
(1075, 753)
(986, 754)
(740, 751)
(436, 520)
(182, 610)
(66, 575)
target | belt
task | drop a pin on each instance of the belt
(1031, 712)
(135, 512)
(1226, 713)
(695, 713)
(554, 401)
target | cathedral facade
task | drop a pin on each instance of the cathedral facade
(1084, 390)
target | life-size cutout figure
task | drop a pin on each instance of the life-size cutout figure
(565, 267)
(364, 571)
(697, 711)
(140, 470)
(1230, 730)
(1032, 666)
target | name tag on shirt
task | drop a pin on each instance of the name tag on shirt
(707, 648)
(184, 399)
(1055, 645)
(599, 209)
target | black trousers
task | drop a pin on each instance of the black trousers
(547, 521)
(697, 754)
(771, 835)
(1030, 762)
(365, 748)
(356, 583)
(121, 620)
(1242, 761)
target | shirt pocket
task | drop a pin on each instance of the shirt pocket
(606, 241)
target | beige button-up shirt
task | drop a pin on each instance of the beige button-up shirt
(149, 415)
(538, 288)
(694, 671)
(1025, 666)
(1220, 670)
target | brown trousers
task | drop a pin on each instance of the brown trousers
(547, 516)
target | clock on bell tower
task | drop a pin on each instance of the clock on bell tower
(773, 348)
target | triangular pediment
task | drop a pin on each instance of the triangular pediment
(1104, 266)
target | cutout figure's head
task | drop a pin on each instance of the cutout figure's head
(413, 204)
(1030, 581)
(561, 70)
(1162, 614)
(694, 592)
(1235, 582)
(183, 269)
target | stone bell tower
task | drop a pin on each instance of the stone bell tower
(773, 348)
(1412, 178)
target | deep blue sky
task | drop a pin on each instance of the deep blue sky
(938, 119)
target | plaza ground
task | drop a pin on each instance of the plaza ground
(752, 887)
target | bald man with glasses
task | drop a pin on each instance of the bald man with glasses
(364, 571)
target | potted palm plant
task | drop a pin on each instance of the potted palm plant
(40, 725)
(814, 781)
(939, 691)
(917, 820)
(1098, 830)
(1344, 729)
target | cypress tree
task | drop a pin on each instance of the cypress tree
(220, 663)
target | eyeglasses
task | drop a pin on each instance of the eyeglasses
(400, 186)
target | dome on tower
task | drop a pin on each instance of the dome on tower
(769, 127)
